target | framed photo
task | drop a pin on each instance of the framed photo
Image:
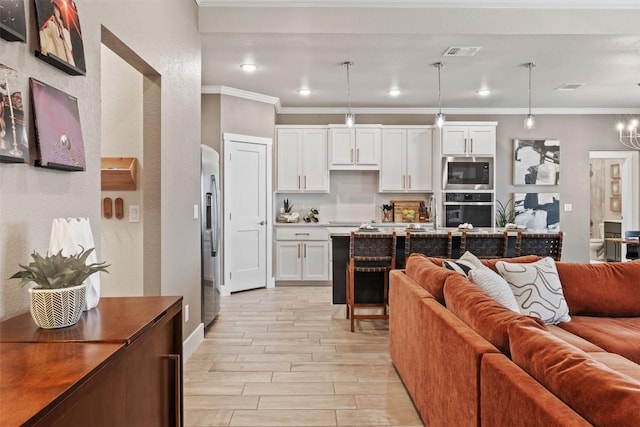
(615, 171)
(58, 131)
(537, 211)
(59, 35)
(13, 25)
(14, 145)
(615, 187)
(536, 162)
(614, 204)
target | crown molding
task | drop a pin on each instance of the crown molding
(426, 4)
(267, 99)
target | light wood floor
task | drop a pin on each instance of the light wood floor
(276, 358)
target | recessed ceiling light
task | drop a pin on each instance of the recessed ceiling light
(483, 92)
(393, 92)
(249, 68)
(304, 91)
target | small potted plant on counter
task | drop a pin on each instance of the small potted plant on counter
(504, 213)
(58, 297)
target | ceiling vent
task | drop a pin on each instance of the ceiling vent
(461, 51)
(569, 86)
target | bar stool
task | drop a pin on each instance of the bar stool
(369, 252)
(484, 245)
(632, 250)
(437, 245)
(541, 244)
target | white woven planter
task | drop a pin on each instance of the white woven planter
(57, 308)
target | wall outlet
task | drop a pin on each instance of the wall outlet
(186, 313)
(134, 213)
(568, 207)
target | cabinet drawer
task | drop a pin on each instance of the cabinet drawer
(301, 233)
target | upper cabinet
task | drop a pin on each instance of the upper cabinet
(356, 148)
(302, 159)
(472, 140)
(407, 160)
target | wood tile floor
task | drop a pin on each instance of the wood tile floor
(274, 357)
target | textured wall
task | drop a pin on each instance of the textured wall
(163, 33)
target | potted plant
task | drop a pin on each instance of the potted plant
(58, 297)
(504, 213)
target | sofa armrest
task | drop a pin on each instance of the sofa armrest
(510, 397)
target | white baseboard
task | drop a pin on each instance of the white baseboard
(192, 342)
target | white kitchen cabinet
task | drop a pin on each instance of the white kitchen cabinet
(478, 140)
(407, 160)
(356, 148)
(302, 160)
(302, 253)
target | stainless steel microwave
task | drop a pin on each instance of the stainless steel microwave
(467, 173)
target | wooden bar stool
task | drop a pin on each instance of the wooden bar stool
(369, 252)
(541, 244)
(437, 245)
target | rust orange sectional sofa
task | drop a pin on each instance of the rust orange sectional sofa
(466, 360)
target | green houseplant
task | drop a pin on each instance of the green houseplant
(505, 213)
(58, 298)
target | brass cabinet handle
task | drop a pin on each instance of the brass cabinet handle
(298, 250)
(177, 359)
(471, 145)
(351, 156)
(305, 251)
(357, 155)
(465, 145)
(298, 182)
(409, 182)
(404, 181)
(305, 182)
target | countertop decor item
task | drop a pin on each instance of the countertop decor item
(312, 216)
(58, 297)
(387, 212)
(505, 213)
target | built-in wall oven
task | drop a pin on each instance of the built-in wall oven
(467, 173)
(470, 208)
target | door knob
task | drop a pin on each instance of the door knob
(261, 223)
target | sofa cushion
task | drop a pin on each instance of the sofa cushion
(491, 263)
(429, 275)
(537, 289)
(605, 289)
(602, 395)
(494, 286)
(466, 263)
(481, 312)
(573, 339)
(620, 335)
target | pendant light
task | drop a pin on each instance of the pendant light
(440, 119)
(349, 118)
(529, 122)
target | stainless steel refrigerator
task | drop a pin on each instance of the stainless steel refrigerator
(210, 232)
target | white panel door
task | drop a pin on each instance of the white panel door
(419, 159)
(482, 140)
(367, 147)
(393, 160)
(315, 160)
(341, 146)
(454, 140)
(288, 158)
(247, 215)
(288, 265)
(315, 260)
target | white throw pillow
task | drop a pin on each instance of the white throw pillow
(465, 264)
(495, 286)
(537, 289)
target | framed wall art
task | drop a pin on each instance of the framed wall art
(14, 145)
(537, 211)
(615, 187)
(536, 162)
(58, 131)
(614, 204)
(59, 35)
(13, 25)
(615, 171)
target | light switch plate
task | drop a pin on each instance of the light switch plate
(134, 213)
(568, 207)
(196, 210)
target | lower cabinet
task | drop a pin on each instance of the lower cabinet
(302, 254)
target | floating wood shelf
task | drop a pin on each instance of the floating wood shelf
(118, 173)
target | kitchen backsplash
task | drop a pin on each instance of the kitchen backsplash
(354, 197)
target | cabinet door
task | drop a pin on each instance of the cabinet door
(419, 159)
(368, 147)
(315, 260)
(288, 156)
(341, 146)
(454, 140)
(393, 160)
(315, 163)
(482, 140)
(288, 265)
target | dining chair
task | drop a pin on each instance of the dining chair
(437, 245)
(484, 245)
(369, 252)
(632, 250)
(541, 244)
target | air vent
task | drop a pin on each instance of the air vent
(461, 51)
(569, 86)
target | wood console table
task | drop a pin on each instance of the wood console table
(121, 364)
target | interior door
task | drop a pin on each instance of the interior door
(246, 216)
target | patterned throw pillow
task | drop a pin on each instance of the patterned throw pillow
(465, 264)
(494, 286)
(537, 289)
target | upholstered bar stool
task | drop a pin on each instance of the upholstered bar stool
(484, 245)
(437, 245)
(541, 244)
(632, 250)
(369, 252)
